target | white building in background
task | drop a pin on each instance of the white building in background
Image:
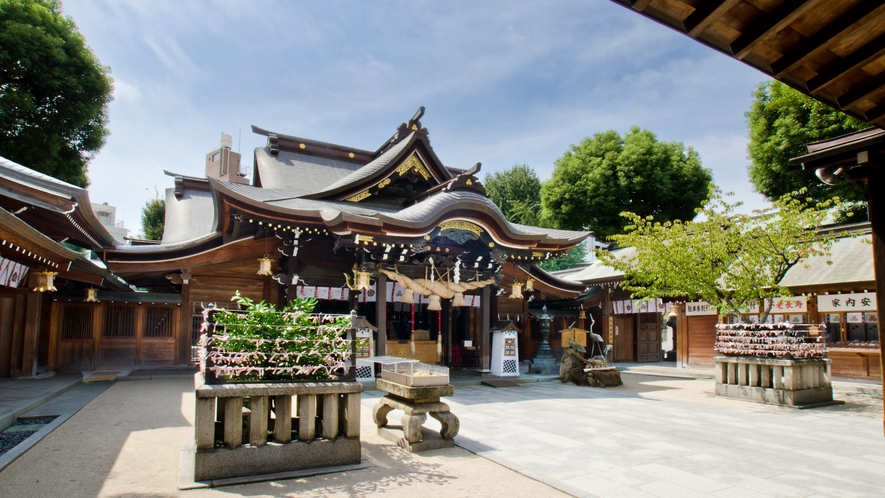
(107, 215)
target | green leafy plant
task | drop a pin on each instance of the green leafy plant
(258, 342)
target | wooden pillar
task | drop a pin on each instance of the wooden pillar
(681, 337)
(381, 314)
(485, 308)
(185, 322)
(876, 206)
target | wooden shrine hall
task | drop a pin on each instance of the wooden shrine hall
(415, 246)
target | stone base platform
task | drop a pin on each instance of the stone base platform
(273, 457)
(430, 440)
(802, 382)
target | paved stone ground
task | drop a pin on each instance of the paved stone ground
(671, 437)
(651, 437)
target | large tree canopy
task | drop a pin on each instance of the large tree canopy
(517, 191)
(605, 175)
(727, 259)
(782, 121)
(54, 92)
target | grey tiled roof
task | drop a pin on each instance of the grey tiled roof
(327, 209)
(188, 218)
(598, 272)
(16, 171)
(372, 168)
(299, 174)
(852, 260)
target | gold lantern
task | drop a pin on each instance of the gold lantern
(45, 281)
(672, 314)
(582, 315)
(516, 290)
(529, 285)
(361, 280)
(92, 295)
(434, 303)
(458, 300)
(408, 297)
(264, 266)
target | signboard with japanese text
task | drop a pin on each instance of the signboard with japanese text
(858, 301)
(797, 304)
(630, 306)
(698, 308)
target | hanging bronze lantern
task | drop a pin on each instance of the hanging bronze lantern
(92, 295)
(264, 266)
(516, 290)
(582, 315)
(529, 285)
(45, 281)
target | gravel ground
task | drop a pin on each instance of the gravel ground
(9, 440)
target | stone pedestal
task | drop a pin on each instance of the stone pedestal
(416, 403)
(775, 381)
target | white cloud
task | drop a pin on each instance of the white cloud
(125, 92)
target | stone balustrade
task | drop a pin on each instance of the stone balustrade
(327, 416)
(777, 381)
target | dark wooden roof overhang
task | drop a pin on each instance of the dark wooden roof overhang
(60, 211)
(184, 182)
(23, 244)
(851, 156)
(280, 141)
(831, 50)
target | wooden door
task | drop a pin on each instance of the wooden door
(648, 342)
(156, 336)
(623, 347)
(76, 342)
(701, 335)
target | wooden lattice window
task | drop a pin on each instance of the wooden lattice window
(76, 321)
(159, 322)
(119, 321)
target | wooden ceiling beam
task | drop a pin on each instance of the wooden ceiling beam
(803, 49)
(876, 116)
(859, 58)
(776, 20)
(705, 15)
(862, 91)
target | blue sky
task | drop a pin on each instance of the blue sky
(503, 82)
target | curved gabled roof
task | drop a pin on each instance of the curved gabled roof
(437, 207)
(299, 174)
(385, 166)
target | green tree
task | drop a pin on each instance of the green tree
(574, 257)
(517, 192)
(726, 259)
(604, 175)
(781, 122)
(153, 218)
(54, 92)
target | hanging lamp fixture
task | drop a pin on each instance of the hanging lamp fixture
(516, 290)
(45, 280)
(92, 295)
